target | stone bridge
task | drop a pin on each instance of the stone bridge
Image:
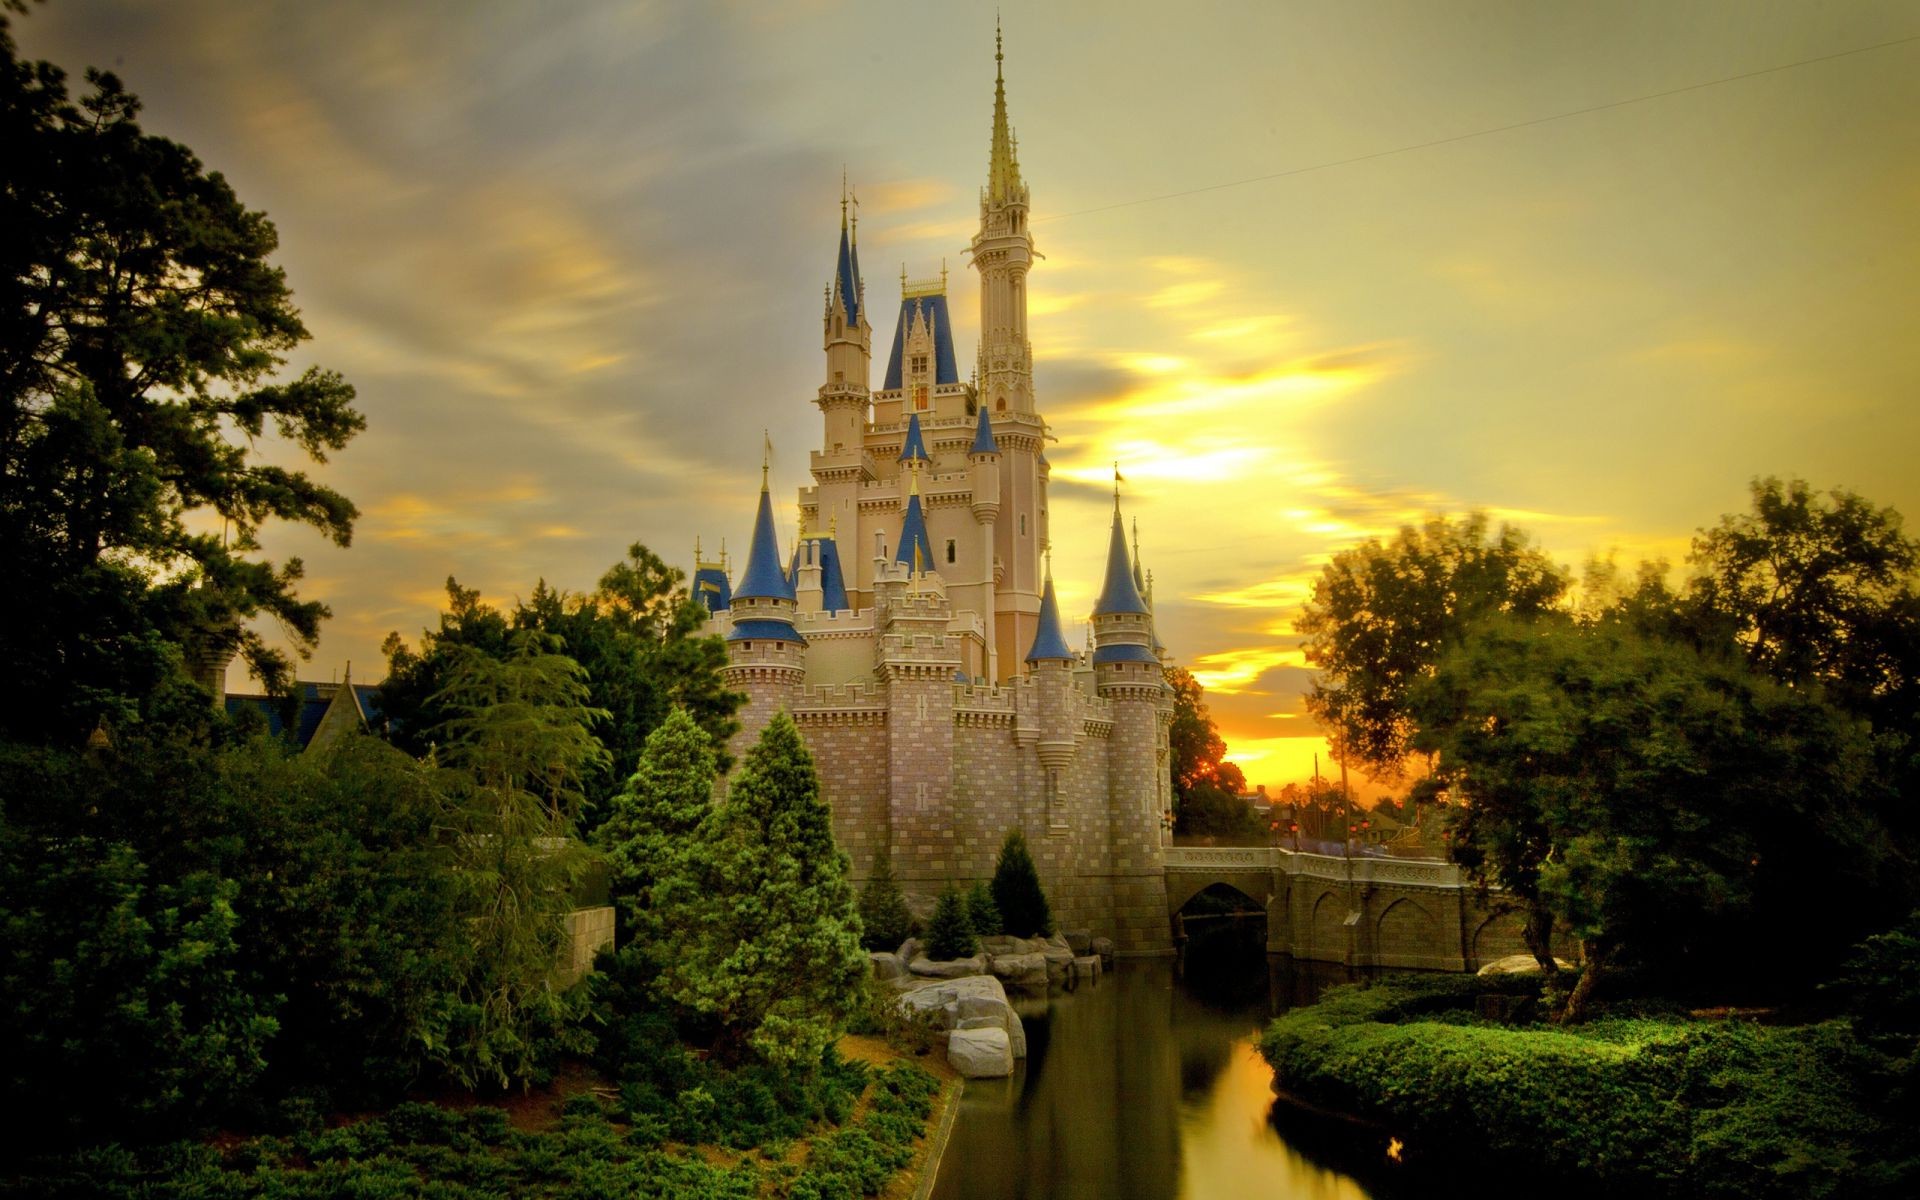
(1363, 912)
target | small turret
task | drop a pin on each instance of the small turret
(1057, 714)
(848, 340)
(711, 587)
(916, 549)
(914, 449)
(766, 656)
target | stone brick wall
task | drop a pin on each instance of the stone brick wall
(850, 750)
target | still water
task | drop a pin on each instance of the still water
(1144, 1086)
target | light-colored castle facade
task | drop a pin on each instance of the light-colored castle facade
(913, 631)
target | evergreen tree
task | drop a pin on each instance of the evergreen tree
(950, 936)
(653, 821)
(883, 910)
(766, 940)
(982, 912)
(1016, 890)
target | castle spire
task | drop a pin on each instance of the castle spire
(846, 271)
(1049, 643)
(1119, 595)
(764, 579)
(1003, 168)
(916, 548)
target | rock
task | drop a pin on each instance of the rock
(1080, 941)
(1056, 940)
(1059, 962)
(981, 1053)
(1087, 966)
(909, 950)
(953, 1003)
(1104, 948)
(885, 965)
(978, 1023)
(1001, 944)
(1518, 964)
(948, 969)
(1024, 972)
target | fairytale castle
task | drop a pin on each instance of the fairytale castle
(913, 631)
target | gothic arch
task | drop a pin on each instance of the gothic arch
(1407, 928)
(1327, 923)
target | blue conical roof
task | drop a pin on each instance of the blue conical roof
(913, 534)
(915, 447)
(983, 442)
(846, 278)
(764, 579)
(833, 582)
(1119, 595)
(1049, 644)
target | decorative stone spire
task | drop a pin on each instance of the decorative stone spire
(1003, 168)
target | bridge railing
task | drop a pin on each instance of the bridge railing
(1417, 872)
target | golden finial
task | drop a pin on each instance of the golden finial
(1116, 485)
(903, 279)
(833, 527)
(843, 195)
(766, 459)
(854, 196)
(997, 55)
(943, 273)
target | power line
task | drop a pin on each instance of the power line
(1478, 133)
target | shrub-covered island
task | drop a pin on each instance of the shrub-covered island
(1655, 1100)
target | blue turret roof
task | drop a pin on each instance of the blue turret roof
(712, 588)
(983, 442)
(913, 534)
(1049, 644)
(934, 309)
(833, 582)
(915, 446)
(764, 579)
(846, 277)
(1119, 595)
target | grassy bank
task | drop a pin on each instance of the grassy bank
(575, 1141)
(1660, 1102)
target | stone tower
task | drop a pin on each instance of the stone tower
(766, 656)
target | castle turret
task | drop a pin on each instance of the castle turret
(1058, 711)
(983, 458)
(766, 656)
(848, 340)
(916, 549)
(1130, 678)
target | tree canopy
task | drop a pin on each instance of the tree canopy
(142, 332)
(1206, 787)
(1383, 613)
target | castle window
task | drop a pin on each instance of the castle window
(1023, 524)
(919, 364)
(950, 550)
(1001, 404)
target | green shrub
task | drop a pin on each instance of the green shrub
(884, 918)
(982, 913)
(950, 934)
(1017, 894)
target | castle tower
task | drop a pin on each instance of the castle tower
(1129, 676)
(1002, 253)
(983, 457)
(841, 464)
(766, 656)
(1058, 711)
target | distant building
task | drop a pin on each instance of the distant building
(317, 713)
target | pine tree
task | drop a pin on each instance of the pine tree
(883, 910)
(950, 935)
(766, 940)
(1016, 890)
(653, 821)
(982, 912)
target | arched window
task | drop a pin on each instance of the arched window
(950, 551)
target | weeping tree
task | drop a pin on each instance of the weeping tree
(519, 742)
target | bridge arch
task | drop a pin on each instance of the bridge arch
(1256, 886)
(1407, 929)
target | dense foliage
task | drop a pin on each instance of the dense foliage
(636, 637)
(141, 328)
(982, 913)
(652, 822)
(1664, 1105)
(765, 938)
(1017, 893)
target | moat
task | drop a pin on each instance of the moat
(1145, 1085)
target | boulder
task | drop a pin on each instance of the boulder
(953, 1003)
(909, 950)
(1087, 966)
(947, 969)
(885, 965)
(981, 1053)
(1080, 941)
(1104, 948)
(1059, 961)
(1023, 972)
(1000, 944)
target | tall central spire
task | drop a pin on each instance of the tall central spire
(1003, 170)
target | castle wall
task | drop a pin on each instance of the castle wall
(850, 750)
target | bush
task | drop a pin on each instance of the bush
(982, 913)
(1707, 1109)
(950, 935)
(883, 910)
(1017, 892)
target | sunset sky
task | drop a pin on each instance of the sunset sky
(572, 255)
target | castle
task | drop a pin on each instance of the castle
(913, 632)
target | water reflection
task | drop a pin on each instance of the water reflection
(1144, 1085)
